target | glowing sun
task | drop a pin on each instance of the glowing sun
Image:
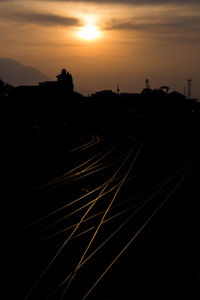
(89, 32)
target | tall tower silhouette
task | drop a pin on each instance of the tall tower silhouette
(147, 83)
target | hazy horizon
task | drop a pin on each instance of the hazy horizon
(137, 40)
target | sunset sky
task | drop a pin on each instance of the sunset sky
(133, 40)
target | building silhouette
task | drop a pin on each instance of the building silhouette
(64, 82)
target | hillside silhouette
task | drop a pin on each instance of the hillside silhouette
(14, 73)
(104, 189)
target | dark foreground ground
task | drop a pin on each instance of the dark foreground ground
(159, 198)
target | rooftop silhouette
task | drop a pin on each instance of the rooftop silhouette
(64, 81)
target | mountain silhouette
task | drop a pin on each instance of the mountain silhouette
(14, 73)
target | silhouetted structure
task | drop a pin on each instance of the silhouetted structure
(147, 90)
(147, 83)
(53, 108)
(165, 88)
(48, 94)
(64, 76)
(64, 81)
(104, 93)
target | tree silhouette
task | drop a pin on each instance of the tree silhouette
(5, 88)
